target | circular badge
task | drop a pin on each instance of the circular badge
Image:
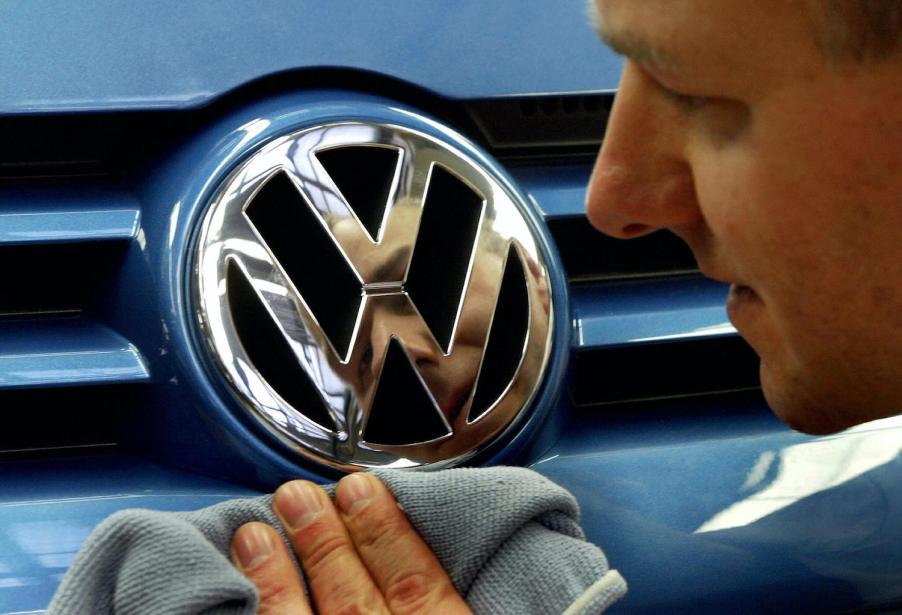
(374, 296)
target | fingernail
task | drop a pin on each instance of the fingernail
(298, 504)
(354, 493)
(252, 546)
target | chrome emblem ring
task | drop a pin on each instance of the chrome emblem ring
(374, 296)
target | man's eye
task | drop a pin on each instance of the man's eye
(686, 102)
(367, 356)
(366, 359)
(720, 118)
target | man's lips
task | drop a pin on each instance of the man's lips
(740, 300)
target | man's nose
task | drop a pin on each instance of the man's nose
(642, 180)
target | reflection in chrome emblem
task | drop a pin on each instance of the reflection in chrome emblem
(374, 296)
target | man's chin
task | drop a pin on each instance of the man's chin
(793, 404)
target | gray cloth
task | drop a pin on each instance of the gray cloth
(509, 539)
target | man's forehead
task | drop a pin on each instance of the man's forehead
(709, 39)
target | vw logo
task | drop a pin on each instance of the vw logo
(373, 296)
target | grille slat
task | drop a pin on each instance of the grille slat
(65, 211)
(70, 352)
(649, 311)
(59, 242)
(67, 379)
(656, 339)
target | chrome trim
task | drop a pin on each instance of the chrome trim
(343, 380)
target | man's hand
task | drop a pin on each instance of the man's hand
(362, 556)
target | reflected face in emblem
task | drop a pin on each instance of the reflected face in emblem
(450, 378)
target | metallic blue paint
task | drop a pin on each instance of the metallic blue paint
(48, 508)
(172, 54)
(649, 311)
(30, 214)
(557, 191)
(66, 352)
(757, 521)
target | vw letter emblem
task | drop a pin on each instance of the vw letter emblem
(374, 296)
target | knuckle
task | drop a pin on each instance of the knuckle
(355, 608)
(354, 601)
(410, 592)
(272, 595)
(324, 549)
(376, 532)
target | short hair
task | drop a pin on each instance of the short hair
(858, 30)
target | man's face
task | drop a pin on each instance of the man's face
(784, 176)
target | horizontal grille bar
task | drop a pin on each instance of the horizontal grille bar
(656, 338)
(65, 211)
(623, 313)
(559, 191)
(66, 352)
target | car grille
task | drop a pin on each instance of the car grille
(646, 325)
(66, 373)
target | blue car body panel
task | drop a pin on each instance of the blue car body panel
(107, 55)
(704, 503)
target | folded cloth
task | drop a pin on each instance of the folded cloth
(509, 539)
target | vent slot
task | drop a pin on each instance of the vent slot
(531, 127)
(402, 411)
(507, 337)
(66, 146)
(54, 279)
(309, 256)
(671, 369)
(57, 146)
(46, 420)
(364, 175)
(588, 255)
(444, 247)
(86, 144)
(271, 354)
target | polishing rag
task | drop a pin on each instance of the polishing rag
(509, 539)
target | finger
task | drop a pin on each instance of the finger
(259, 553)
(338, 580)
(406, 571)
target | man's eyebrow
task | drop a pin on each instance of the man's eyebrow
(628, 44)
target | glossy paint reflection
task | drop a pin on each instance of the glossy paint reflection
(780, 479)
(66, 352)
(47, 509)
(775, 522)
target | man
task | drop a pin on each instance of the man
(768, 135)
